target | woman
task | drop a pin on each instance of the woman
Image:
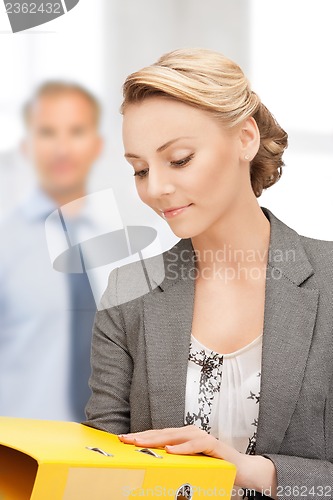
(229, 352)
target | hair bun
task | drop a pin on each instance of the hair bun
(210, 81)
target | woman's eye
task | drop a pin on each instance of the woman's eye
(141, 173)
(184, 161)
(179, 163)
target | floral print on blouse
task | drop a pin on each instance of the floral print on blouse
(239, 375)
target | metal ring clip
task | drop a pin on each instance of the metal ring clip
(99, 450)
(147, 451)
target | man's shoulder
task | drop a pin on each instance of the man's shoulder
(12, 226)
(12, 216)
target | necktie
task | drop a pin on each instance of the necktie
(82, 309)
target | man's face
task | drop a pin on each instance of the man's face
(62, 140)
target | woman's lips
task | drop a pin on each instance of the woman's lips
(175, 211)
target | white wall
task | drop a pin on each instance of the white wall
(283, 46)
(292, 70)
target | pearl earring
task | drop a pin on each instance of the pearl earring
(246, 157)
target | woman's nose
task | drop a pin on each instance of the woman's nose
(159, 182)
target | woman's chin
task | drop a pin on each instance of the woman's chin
(184, 232)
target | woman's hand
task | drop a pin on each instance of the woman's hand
(190, 440)
(187, 440)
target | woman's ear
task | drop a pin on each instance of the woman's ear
(249, 136)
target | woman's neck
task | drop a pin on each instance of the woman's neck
(238, 241)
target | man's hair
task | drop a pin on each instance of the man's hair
(57, 87)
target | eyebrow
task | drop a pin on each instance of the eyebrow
(161, 148)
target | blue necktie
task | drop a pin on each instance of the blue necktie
(82, 309)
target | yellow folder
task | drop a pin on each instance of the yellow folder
(51, 460)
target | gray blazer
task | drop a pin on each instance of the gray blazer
(141, 342)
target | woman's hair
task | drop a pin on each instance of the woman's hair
(210, 81)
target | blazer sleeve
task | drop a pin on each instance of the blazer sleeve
(299, 477)
(111, 367)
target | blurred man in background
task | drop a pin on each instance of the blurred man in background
(16, 179)
(46, 316)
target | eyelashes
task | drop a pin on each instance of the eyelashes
(184, 161)
(138, 174)
(179, 163)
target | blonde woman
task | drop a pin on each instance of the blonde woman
(230, 354)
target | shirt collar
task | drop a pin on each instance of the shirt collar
(37, 205)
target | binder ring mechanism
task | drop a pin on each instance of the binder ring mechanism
(99, 450)
(147, 451)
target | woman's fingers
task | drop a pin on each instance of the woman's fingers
(188, 440)
(157, 439)
(180, 440)
(161, 437)
(200, 444)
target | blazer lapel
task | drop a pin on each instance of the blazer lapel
(289, 318)
(167, 324)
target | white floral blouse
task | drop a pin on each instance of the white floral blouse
(223, 392)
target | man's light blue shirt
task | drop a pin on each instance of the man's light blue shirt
(34, 318)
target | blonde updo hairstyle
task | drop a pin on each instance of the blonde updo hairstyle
(210, 81)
